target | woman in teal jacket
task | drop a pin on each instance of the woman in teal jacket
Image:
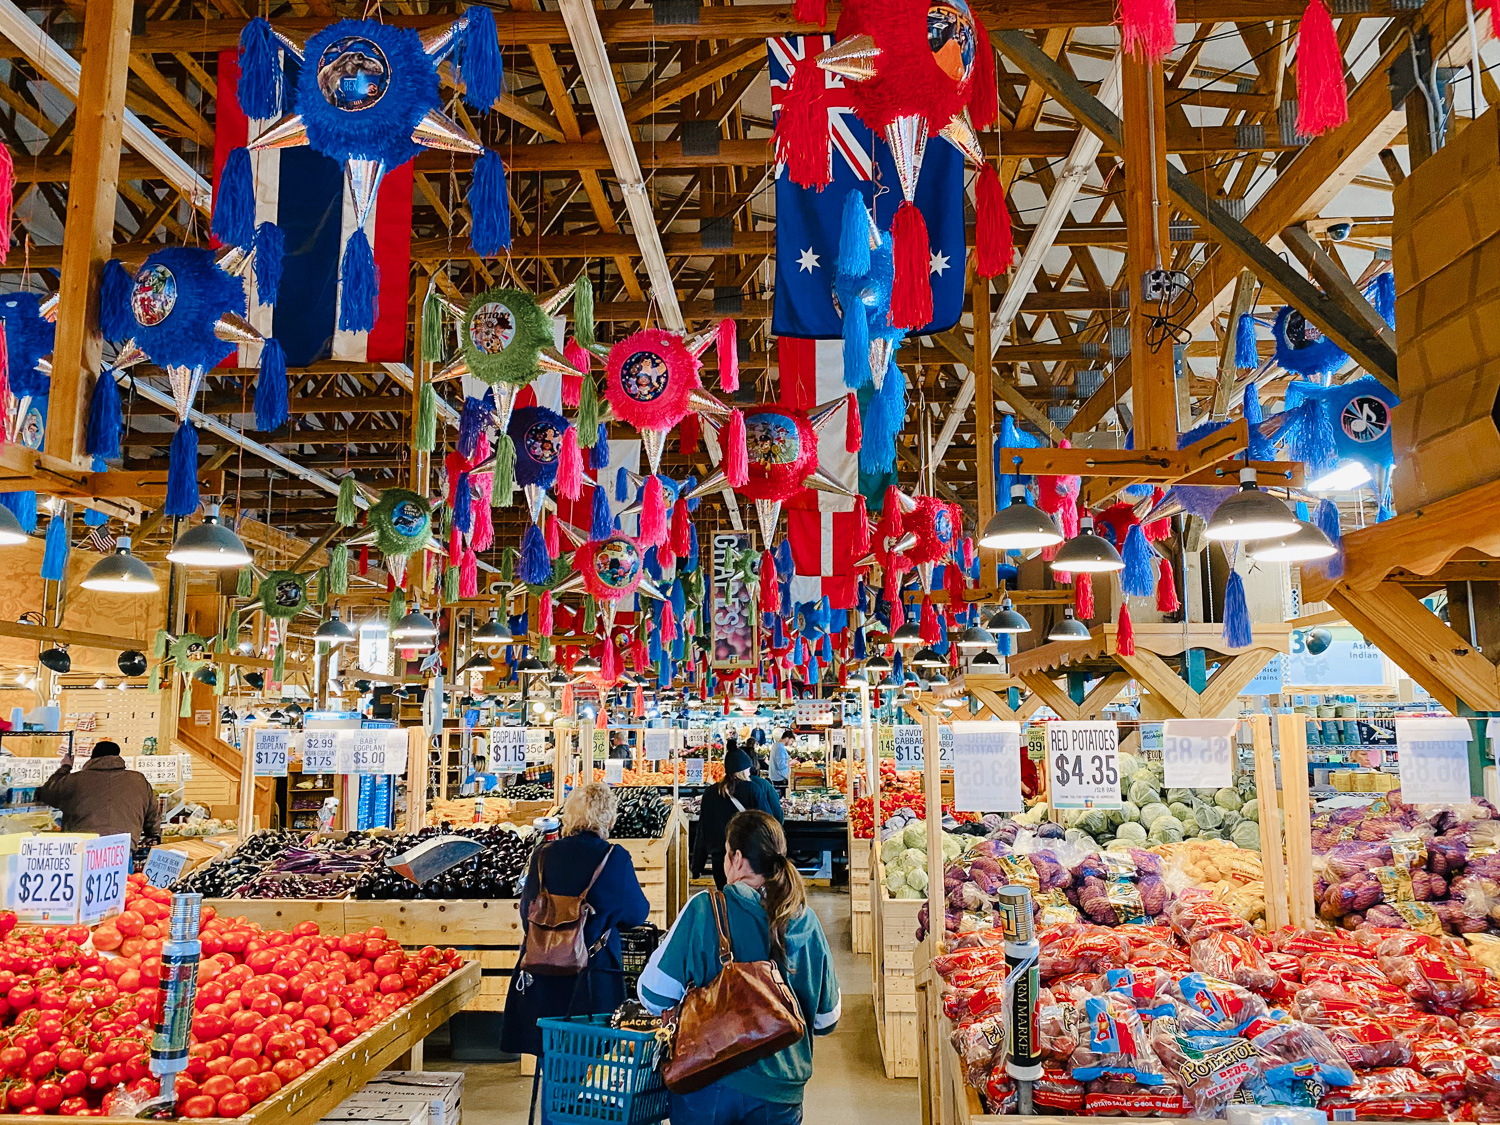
(768, 920)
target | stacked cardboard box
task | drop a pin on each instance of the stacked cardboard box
(403, 1097)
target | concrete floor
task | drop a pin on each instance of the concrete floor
(848, 1084)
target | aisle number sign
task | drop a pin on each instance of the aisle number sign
(270, 750)
(658, 744)
(1198, 753)
(907, 742)
(507, 749)
(106, 863)
(987, 767)
(1084, 761)
(1433, 755)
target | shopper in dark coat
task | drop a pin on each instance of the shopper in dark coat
(104, 797)
(567, 865)
(734, 794)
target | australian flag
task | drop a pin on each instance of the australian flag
(807, 221)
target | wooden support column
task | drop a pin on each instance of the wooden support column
(1291, 738)
(1147, 247)
(89, 232)
(1273, 865)
(984, 413)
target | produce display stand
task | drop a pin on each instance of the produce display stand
(893, 965)
(861, 920)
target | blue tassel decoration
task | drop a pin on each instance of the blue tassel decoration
(55, 554)
(22, 505)
(622, 485)
(1138, 579)
(854, 235)
(599, 451)
(271, 394)
(105, 418)
(604, 520)
(884, 418)
(1384, 297)
(234, 202)
(1328, 523)
(261, 89)
(1005, 643)
(116, 322)
(182, 473)
(1236, 613)
(1254, 413)
(361, 285)
(270, 261)
(1300, 508)
(477, 59)
(691, 564)
(856, 348)
(92, 518)
(471, 422)
(489, 205)
(463, 504)
(784, 561)
(536, 564)
(898, 668)
(1246, 355)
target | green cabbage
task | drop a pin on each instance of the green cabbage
(907, 891)
(1251, 809)
(1143, 794)
(917, 878)
(1189, 827)
(1231, 819)
(1204, 794)
(1180, 809)
(1208, 816)
(1073, 835)
(1129, 763)
(1094, 821)
(1179, 796)
(916, 834)
(892, 847)
(1131, 811)
(914, 859)
(1210, 834)
(1153, 812)
(1228, 799)
(1167, 830)
(1132, 831)
(1247, 835)
(953, 846)
(895, 879)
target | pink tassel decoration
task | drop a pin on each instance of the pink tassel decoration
(580, 360)
(1124, 631)
(7, 200)
(769, 599)
(861, 542)
(653, 513)
(554, 538)
(736, 456)
(1148, 28)
(468, 575)
(1322, 98)
(1166, 587)
(565, 704)
(854, 431)
(727, 347)
(638, 706)
(931, 632)
(688, 432)
(668, 623)
(455, 544)
(681, 539)
(570, 465)
(483, 534)
(1083, 596)
(911, 292)
(544, 613)
(666, 557)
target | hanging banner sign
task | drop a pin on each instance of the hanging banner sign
(1198, 753)
(658, 744)
(733, 616)
(1084, 759)
(507, 749)
(987, 767)
(1433, 755)
(270, 749)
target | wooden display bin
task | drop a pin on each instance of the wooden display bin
(894, 944)
(661, 864)
(860, 922)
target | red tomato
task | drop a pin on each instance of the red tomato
(75, 1107)
(107, 937)
(387, 963)
(246, 1047)
(392, 982)
(74, 1082)
(243, 1067)
(218, 1085)
(49, 1095)
(233, 1105)
(130, 923)
(20, 1095)
(311, 1057)
(199, 1105)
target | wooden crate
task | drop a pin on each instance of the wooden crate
(661, 864)
(861, 927)
(893, 945)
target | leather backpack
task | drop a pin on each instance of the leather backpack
(555, 926)
(746, 1013)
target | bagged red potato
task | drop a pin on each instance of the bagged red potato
(1368, 1043)
(1000, 1095)
(1209, 1006)
(1482, 1029)
(1118, 1098)
(1113, 1043)
(1446, 1062)
(1080, 948)
(1436, 980)
(1145, 988)
(1229, 956)
(1300, 942)
(980, 1045)
(1210, 1068)
(1393, 1092)
(1195, 917)
(1058, 1090)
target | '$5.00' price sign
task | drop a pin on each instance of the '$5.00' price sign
(1085, 765)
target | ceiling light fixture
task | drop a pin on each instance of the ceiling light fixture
(209, 544)
(1250, 514)
(1305, 544)
(1019, 525)
(121, 573)
(1069, 628)
(1007, 620)
(1087, 553)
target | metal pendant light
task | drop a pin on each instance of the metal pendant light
(493, 632)
(908, 634)
(1251, 514)
(1007, 620)
(1019, 526)
(121, 572)
(333, 631)
(877, 665)
(587, 663)
(1069, 628)
(1303, 545)
(926, 657)
(209, 544)
(1087, 553)
(415, 630)
(985, 660)
(479, 662)
(11, 531)
(976, 636)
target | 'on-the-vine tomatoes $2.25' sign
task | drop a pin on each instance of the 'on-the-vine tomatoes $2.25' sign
(1084, 763)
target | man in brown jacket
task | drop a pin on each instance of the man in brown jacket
(104, 797)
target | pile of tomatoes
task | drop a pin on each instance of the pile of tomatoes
(271, 1005)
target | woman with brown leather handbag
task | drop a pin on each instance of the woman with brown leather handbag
(764, 909)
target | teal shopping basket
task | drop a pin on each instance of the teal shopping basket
(596, 1073)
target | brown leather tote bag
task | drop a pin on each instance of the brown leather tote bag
(555, 926)
(746, 1013)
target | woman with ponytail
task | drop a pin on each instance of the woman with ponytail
(769, 919)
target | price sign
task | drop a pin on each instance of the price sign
(907, 741)
(185, 766)
(695, 736)
(164, 866)
(601, 743)
(836, 738)
(536, 741)
(371, 751)
(614, 771)
(694, 771)
(320, 752)
(507, 749)
(1198, 753)
(945, 747)
(1085, 765)
(270, 750)
(885, 741)
(987, 767)
(49, 876)
(658, 744)
(106, 862)
(28, 773)
(1433, 755)
(158, 769)
(1036, 743)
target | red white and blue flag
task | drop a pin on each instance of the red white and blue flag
(304, 193)
(808, 221)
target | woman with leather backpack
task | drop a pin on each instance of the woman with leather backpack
(580, 890)
(765, 906)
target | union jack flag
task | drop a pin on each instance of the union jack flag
(807, 221)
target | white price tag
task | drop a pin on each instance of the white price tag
(614, 771)
(164, 866)
(507, 749)
(1085, 765)
(536, 741)
(695, 736)
(106, 862)
(658, 744)
(836, 737)
(987, 767)
(28, 773)
(366, 752)
(185, 766)
(270, 750)
(1434, 761)
(49, 874)
(1198, 753)
(945, 747)
(158, 769)
(908, 746)
(320, 751)
(694, 771)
